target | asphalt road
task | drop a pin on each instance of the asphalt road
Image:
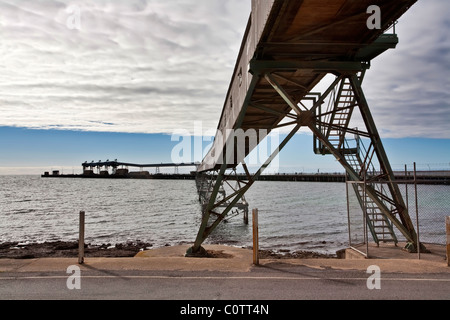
(271, 282)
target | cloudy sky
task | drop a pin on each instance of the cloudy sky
(76, 68)
(145, 66)
(409, 88)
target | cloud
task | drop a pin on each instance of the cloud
(408, 88)
(153, 66)
(134, 66)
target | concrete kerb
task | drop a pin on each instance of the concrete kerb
(234, 260)
(163, 259)
(228, 259)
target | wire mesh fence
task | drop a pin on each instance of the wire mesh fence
(427, 198)
(426, 195)
(356, 220)
(433, 205)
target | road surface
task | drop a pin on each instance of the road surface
(274, 281)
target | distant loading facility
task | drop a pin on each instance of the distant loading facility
(121, 168)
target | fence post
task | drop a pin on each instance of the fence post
(255, 237)
(417, 212)
(81, 239)
(447, 223)
(246, 215)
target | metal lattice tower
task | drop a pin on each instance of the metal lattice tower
(288, 48)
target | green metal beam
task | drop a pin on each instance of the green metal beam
(378, 47)
(290, 102)
(206, 230)
(258, 67)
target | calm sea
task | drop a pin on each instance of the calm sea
(292, 215)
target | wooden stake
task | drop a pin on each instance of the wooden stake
(245, 216)
(81, 239)
(255, 237)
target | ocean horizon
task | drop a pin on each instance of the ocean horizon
(293, 216)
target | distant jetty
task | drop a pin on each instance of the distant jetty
(120, 170)
(122, 175)
(423, 177)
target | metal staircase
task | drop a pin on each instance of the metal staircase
(378, 223)
(341, 114)
(334, 124)
(336, 118)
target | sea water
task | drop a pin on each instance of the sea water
(292, 215)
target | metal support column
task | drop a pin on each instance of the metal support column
(330, 127)
(206, 227)
(386, 170)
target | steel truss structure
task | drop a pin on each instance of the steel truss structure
(279, 94)
(328, 118)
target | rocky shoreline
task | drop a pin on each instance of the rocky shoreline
(301, 254)
(67, 249)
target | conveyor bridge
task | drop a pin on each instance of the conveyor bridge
(289, 47)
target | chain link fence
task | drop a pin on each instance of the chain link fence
(433, 205)
(356, 221)
(427, 197)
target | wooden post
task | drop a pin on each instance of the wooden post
(246, 216)
(255, 237)
(81, 239)
(447, 223)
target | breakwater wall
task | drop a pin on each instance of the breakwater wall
(423, 178)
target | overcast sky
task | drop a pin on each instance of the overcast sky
(152, 66)
(147, 66)
(103, 74)
(409, 88)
